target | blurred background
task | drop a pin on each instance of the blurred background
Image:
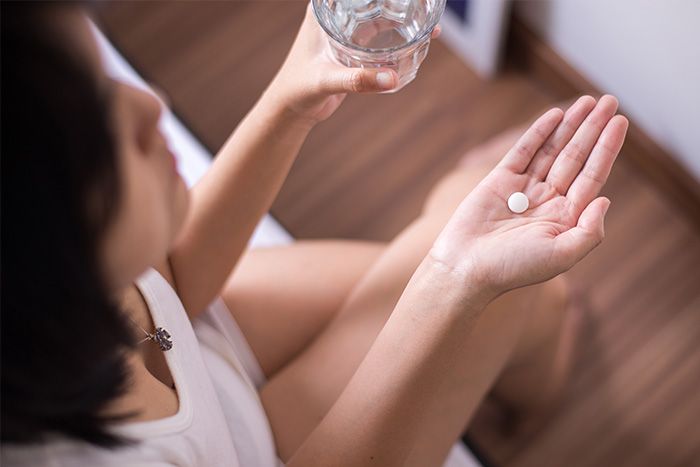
(634, 399)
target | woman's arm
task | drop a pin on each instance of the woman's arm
(231, 198)
(239, 188)
(395, 392)
(411, 379)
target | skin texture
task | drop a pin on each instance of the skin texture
(409, 318)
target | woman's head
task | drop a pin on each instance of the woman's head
(90, 199)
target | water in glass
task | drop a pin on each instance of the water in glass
(380, 33)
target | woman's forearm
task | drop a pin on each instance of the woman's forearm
(247, 174)
(396, 391)
(232, 197)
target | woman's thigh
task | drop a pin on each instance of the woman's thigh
(281, 297)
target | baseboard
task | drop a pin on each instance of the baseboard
(527, 51)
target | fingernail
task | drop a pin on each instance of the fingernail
(385, 80)
(605, 211)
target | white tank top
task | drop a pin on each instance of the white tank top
(220, 420)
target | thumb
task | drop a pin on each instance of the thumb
(578, 241)
(360, 80)
(592, 218)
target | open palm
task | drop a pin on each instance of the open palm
(560, 163)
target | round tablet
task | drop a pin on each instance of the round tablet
(518, 202)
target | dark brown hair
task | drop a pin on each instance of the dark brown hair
(62, 337)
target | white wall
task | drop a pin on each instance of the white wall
(645, 52)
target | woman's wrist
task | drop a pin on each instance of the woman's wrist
(452, 289)
(275, 101)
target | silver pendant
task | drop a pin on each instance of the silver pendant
(163, 338)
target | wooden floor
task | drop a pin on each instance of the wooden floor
(635, 397)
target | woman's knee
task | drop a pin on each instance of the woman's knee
(520, 317)
(546, 307)
(449, 191)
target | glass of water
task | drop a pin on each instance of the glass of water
(379, 33)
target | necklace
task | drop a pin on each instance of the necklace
(160, 336)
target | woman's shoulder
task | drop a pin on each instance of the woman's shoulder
(132, 298)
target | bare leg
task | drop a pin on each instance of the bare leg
(282, 297)
(298, 396)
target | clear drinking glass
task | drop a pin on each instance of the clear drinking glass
(379, 33)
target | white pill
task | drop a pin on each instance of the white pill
(518, 202)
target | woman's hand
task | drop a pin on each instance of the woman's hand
(560, 163)
(312, 86)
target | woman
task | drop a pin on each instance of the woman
(128, 338)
